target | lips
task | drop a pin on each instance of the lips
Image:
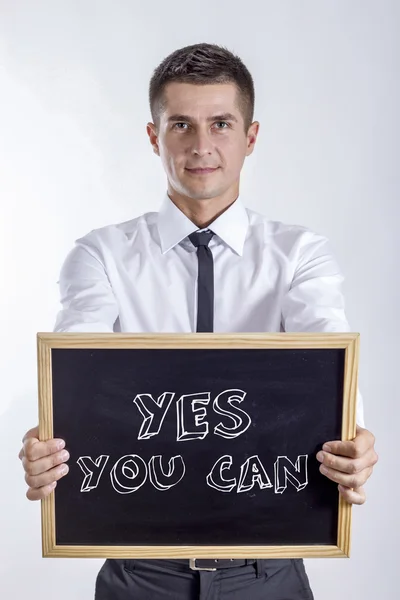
(201, 171)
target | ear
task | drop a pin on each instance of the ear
(252, 137)
(153, 136)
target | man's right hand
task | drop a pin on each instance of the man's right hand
(43, 462)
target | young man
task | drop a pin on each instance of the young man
(203, 263)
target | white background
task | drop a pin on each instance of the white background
(74, 155)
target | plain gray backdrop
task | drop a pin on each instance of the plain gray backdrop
(74, 155)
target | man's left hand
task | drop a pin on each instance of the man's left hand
(350, 464)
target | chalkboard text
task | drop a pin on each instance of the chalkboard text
(131, 472)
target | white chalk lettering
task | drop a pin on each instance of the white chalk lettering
(223, 405)
(164, 481)
(153, 413)
(296, 473)
(252, 472)
(191, 414)
(92, 470)
(128, 474)
(214, 478)
(191, 424)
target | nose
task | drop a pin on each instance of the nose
(201, 144)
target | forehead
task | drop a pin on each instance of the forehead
(200, 100)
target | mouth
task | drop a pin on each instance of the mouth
(202, 171)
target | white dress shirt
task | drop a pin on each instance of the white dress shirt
(141, 276)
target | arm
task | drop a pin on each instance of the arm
(88, 305)
(87, 299)
(314, 302)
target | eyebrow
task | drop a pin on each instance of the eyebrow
(223, 117)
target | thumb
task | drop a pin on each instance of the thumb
(32, 433)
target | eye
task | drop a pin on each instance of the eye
(176, 125)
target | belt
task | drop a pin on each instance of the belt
(212, 564)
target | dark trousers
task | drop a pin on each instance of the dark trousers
(272, 579)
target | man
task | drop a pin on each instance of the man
(203, 263)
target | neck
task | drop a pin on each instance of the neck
(202, 212)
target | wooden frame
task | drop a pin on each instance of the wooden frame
(47, 341)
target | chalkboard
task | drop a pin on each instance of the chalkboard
(196, 445)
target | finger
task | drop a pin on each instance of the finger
(351, 481)
(33, 449)
(32, 433)
(38, 481)
(42, 465)
(347, 465)
(356, 496)
(40, 493)
(363, 441)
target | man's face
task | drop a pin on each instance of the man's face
(202, 127)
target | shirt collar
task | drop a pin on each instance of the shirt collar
(174, 226)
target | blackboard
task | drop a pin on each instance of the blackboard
(207, 447)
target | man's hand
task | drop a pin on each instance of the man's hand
(350, 464)
(43, 463)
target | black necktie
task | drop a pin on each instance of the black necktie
(205, 280)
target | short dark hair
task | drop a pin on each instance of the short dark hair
(202, 64)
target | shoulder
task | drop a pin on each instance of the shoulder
(110, 237)
(288, 238)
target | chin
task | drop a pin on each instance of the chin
(199, 191)
(202, 194)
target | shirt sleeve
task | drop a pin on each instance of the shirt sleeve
(86, 296)
(314, 301)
